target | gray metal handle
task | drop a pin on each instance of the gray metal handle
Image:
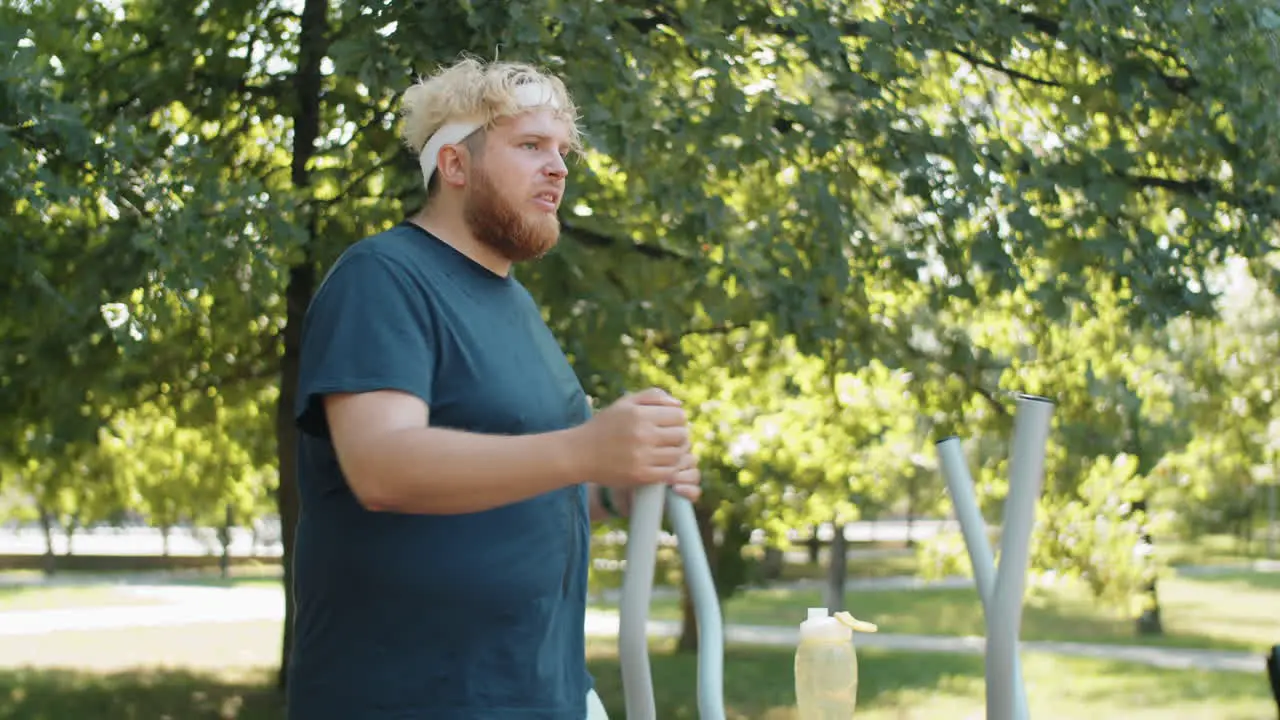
(1002, 590)
(637, 592)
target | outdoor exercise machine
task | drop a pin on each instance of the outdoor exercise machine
(1002, 591)
(637, 591)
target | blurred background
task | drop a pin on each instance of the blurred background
(839, 230)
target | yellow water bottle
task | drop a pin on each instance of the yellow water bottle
(827, 666)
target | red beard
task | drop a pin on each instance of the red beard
(498, 223)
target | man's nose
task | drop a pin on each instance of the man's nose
(557, 168)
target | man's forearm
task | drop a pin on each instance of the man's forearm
(448, 472)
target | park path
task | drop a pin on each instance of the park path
(893, 582)
(175, 578)
(174, 605)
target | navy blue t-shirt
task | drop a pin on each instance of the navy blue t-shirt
(446, 617)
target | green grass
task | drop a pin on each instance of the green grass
(1236, 611)
(890, 566)
(261, 572)
(109, 591)
(892, 685)
(758, 686)
(234, 581)
(1209, 550)
(58, 694)
(22, 597)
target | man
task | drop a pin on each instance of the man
(448, 461)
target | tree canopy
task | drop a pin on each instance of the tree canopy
(839, 229)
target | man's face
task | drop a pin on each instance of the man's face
(516, 185)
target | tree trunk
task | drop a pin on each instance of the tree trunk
(312, 46)
(1272, 530)
(814, 545)
(69, 532)
(913, 500)
(1248, 519)
(771, 565)
(1148, 622)
(837, 569)
(688, 642)
(224, 538)
(50, 559)
(287, 490)
(165, 531)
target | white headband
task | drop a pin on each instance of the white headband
(528, 95)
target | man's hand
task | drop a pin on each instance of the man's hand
(642, 439)
(620, 502)
(690, 492)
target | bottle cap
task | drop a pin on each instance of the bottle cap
(854, 623)
(817, 613)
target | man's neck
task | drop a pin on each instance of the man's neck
(452, 230)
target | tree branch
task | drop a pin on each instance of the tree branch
(593, 238)
(657, 17)
(347, 192)
(1178, 84)
(1196, 186)
(1202, 188)
(380, 113)
(1015, 74)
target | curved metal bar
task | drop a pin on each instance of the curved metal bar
(1026, 479)
(955, 469)
(706, 608)
(1002, 588)
(633, 609)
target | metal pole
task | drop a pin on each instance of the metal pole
(637, 591)
(706, 607)
(1026, 479)
(633, 609)
(1002, 589)
(955, 469)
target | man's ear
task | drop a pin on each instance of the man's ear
(453, 165)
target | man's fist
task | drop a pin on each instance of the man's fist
(642, 439)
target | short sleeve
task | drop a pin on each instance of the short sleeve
(369, 327)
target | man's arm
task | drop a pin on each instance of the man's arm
(394, 461)
(365, 381)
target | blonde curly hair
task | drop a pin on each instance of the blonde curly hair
(471, 89)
